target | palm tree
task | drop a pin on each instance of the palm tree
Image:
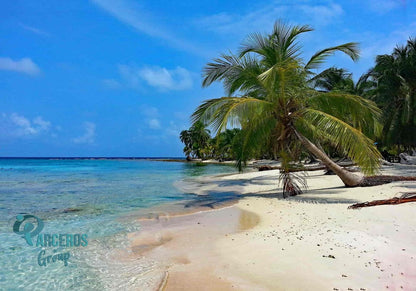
(186, 139)
(200, 138)
(223, 144)
(196, 140)
(396, 94)
(334, 79)
(338, 79)
(268, 96)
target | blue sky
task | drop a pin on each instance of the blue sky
(121, 77)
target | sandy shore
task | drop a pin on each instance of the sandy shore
(309, 242)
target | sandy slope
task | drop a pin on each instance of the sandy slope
(310, 242)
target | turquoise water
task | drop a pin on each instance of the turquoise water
(100, 198)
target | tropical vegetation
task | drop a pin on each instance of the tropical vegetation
(286, 110)
(196, 140)
(395, 94)
(200, 145)
(391, 83)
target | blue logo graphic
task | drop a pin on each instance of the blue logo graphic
(29, 226)
(29, 229)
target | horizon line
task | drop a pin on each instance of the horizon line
(92, 157)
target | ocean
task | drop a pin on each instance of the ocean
(100, 199)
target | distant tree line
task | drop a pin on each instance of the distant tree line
(223, 147)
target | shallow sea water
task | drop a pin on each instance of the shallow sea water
(100, 198)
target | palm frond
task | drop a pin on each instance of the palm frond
(344, 137)
(278, 46)
(255, 42)
(279, 76)
(217, 70)
(350, 48)
(256, 133)
(292, 182)
(284, 37)
(361, 113)
(330, 78)
(245, 78)
(220, 112)
(235, 73)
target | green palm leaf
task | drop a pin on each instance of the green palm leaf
(346, 138)
(235, 73)
(362, 113)
(224, 111)
(256, 132)
(350, 49)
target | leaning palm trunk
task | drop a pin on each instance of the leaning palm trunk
(349, 179)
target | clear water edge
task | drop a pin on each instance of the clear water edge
(101, 198)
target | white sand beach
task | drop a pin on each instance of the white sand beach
(309, 242)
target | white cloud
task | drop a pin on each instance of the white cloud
(165, 134)
(262, 19)
(17, 125)
(23, 124)
(132, 14)
(34, 30)
(151, 116)
(25, 65)
(89, 135)
(322, 14)
(257, 20)
(384, 6)
(161, 78)
(157, 77)
(43, 125)
(154, 123)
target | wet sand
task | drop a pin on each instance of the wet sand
(185, 245)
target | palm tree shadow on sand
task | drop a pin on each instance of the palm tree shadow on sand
(217, 198)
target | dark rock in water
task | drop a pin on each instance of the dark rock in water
(265, 168)
(69, 210)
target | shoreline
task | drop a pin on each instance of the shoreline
(307, 241)
(183, 246)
